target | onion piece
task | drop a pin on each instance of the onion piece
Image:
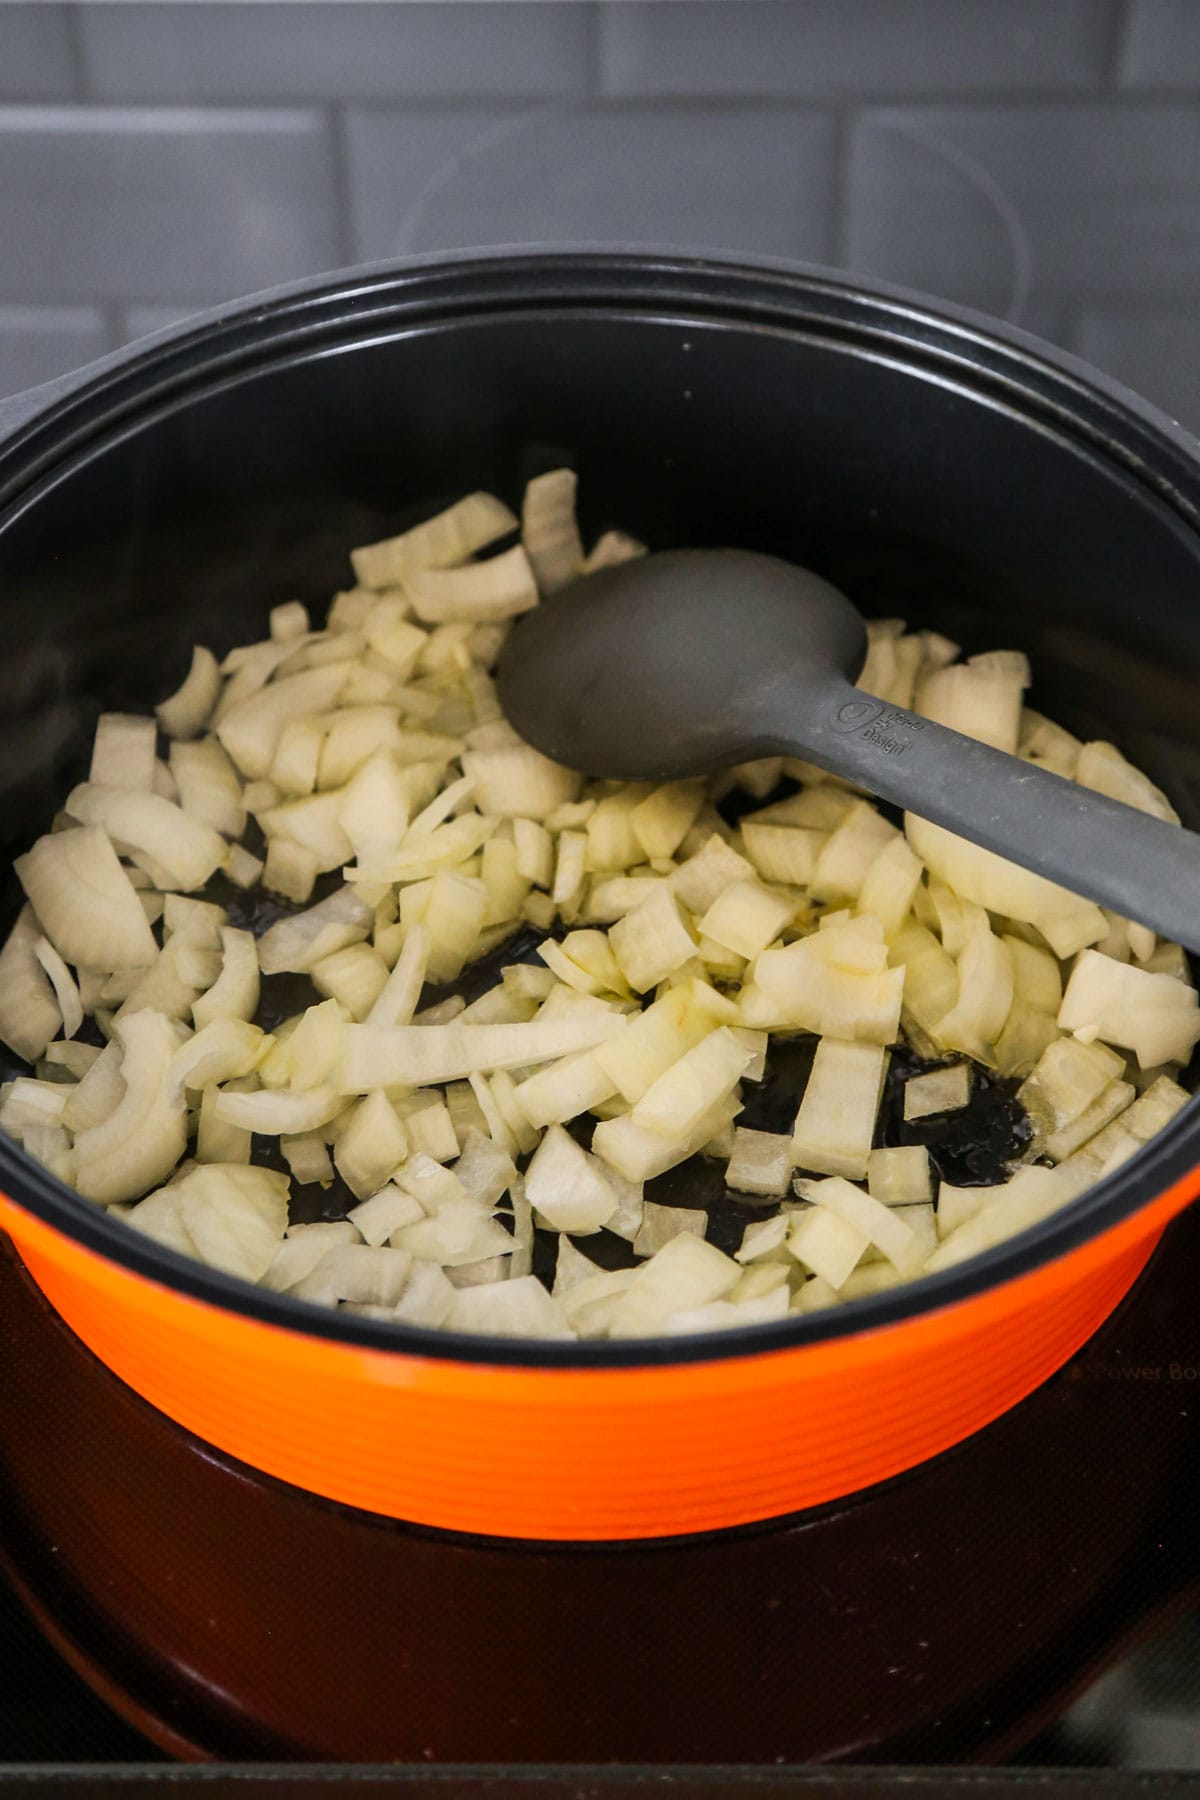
(30, 1013)
(746, 917)
(662, 1223)
(370, 1146)
(189, 708)
(142, 1139)
(985, 995)
(549, 531)
(664, 817)
(564, 1089)
(687, 1092)
(611, 548)
(761, 1163)
(571, 1267)
(235, 1215)
(216, 1140)
(250, 731)
(994, 882)
(86, 904)
(357, 1274)
(785, 853)
(307, 1157)
(354, 977)
(99, 1093)
(448, 538)
(686, 1272)
(482, 592)
(727, 1315)
(836, 1121)
(849, 853)
(827, 1244)
(76, 1058)
(879, 1224)
(415, 1055)
(296, 943)
(518, 782)
(520, 1308)
(234, 995)
(160, 1216)
(564, 1185)
(653, 940)
(388, 1210)
(651, 1041)
(461, 1232)
(209, 787)
(272, 1114)
(1102, 768)
(187, 850)
(302, 1249)
(640, 1155)
(698, 881)
(124, 751)
(1155, 1016)
(222, 1051)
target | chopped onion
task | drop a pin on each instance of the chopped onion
(414, 1055)
(761, 1163)
(84, 901)
(298, 942)
(142, 1139)
(520, 1308)
(686, 1272)
(187, 850)
(676, 944)
(687, 1092)
(30, 1012)
(836, 1122)
(662, 1223)
(234, 995)
(188, 710)
(565, 1186)
(448, 538)
(482, 592)
(235, 1215)
(549, 532)
(124, 752)
(1155, 1016)
(273, 1114)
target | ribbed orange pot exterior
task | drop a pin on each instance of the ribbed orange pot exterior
(590, 1454)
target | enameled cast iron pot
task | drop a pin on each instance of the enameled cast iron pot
(931, 463)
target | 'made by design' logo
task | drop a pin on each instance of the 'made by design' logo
(882, 725)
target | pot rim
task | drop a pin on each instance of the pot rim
(50, 430)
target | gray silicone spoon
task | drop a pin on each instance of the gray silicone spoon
(687, 661)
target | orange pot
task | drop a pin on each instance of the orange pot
(180, 488)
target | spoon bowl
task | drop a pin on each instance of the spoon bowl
(689, 661)
(661, 667)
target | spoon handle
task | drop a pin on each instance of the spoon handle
(1144, 868)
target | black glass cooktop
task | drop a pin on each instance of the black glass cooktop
(1057, 1554)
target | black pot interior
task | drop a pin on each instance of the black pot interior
(882, 453)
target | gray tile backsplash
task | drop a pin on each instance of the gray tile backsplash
(755, 178)
(854, 47)
(39, 342)
(1036, 158)
(1155, 353)
(1100, 199)
(146, 204)
(36, 59)
(1161, 45)
(321, 52)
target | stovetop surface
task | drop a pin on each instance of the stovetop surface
(1088, 1493)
